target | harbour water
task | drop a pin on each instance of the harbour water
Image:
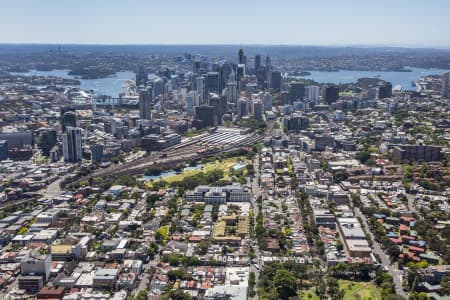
(396, 78)
(109, 86)
(112, 86)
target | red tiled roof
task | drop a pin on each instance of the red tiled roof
(412, 256)
(396, 241)
(195, 238)
(416, 249)
(403, 227)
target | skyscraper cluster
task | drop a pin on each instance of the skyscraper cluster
(226, 88)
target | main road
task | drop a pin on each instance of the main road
(49, 192)
(393, 270)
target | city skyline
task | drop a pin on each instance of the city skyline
(323, 23)
(240, 150)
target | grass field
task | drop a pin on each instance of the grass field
(223, 165)
(40, 160)
(354, 290)
(306, 295)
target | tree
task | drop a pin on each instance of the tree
(340, 176)
(179, 295)
(142, 295)
(251, 284)
(175, 274)
(152, 250)
(251, 278)
(445, 285)
(202, 247)
(174, 260)
(418, 296)
(285, 284)
(362, 156)
(339, 245)
(333, 289)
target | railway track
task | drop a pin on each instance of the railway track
(174, 156)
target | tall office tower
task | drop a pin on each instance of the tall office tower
(242, 58)
(296, 91)
(284, 97)
(267, 101)
(232, 91)
(257, 62)
(68, 119)
(385, 90)
(240, 71)
(175, 81)
(192, 100)
(47, 140)
(3, 150)
(276, 81)
(444, 85)
(269, 70)
(312, 92)
(250, 89)
(196, 66)
(201, 90)
(296, 122)
(158, 87)
(330, 93)
(261, 76)
(257, 109)
(145, 103)
(212, 82)
(97, 153)
(268, 61)
(220, 106)
(72, 144)
(225, 71)
(205, 114)
(242, 107)
(141, 76)
(215, 67)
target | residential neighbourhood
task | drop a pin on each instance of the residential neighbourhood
(224, 179)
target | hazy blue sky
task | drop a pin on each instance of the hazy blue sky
(307, 22)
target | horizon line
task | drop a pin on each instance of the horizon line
(235, 44)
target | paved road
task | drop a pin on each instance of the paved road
(256, 193)
(52, 190)
(145, 281)
(393, 270)
(49, 192)
(411, 206)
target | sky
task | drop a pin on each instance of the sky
(409, 23)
